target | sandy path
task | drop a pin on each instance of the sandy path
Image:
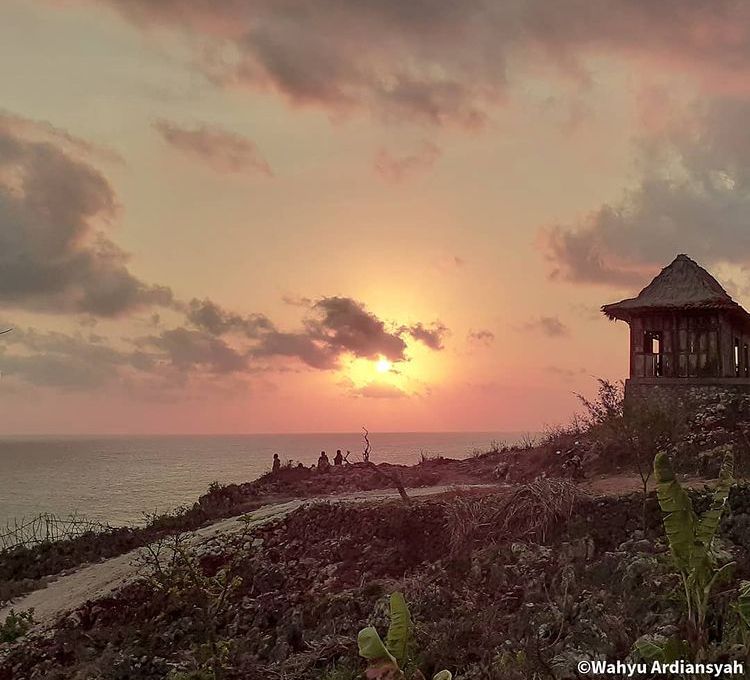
(97, 580)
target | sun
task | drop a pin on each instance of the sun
(383, 365)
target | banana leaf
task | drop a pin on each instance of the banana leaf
(709, 522)
(649, 649)
(399, 629)
(679, 519)
(655, 648)
(743, 604)
(371, 647)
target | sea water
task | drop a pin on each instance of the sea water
(118, 479)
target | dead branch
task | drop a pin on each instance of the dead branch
(393, 478)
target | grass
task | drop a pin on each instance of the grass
(530, 511)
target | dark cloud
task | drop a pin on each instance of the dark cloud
(191, 349)
(340, 326)
(75, 361)
(550, 326)
(215, 343)
(53, 254)
(211, 317)
(481, 337)
(310, 351)
(397, 167)
(440, 61)
(346, 326)
(220, 149)
(332, 327)
(432, 335)
(693, 197)
(71, 362)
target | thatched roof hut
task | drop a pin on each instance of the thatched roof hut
(685, 326)
(682, 285)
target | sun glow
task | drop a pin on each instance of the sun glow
(383, 365)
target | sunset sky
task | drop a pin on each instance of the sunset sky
(310, 215)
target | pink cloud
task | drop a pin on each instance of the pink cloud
(397, 167)
(220, 149)
(442, 62)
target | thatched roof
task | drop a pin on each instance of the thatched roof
(684, 284)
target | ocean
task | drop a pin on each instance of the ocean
(117, 479)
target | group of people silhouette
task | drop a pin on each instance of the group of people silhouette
(324, 464)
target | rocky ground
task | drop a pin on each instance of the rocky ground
(518, 581)
(514, 584)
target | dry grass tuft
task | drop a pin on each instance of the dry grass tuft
(528, 511)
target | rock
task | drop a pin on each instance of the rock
(644, 545)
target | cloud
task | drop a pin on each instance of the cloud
(333, 327)
(566, 373)
(695, 182)
(221, 150)
(56, 257)
(190, 349)
(43, 131)
(441, 62)
(209, 342)
(377, 391)
(345, 324)
(54, 254)
(550, 326)
(395, 168)
(339, 326)
(301, 346)
(69, 362)
(78, 362)
(211, 317)
(432, 336)
(481, 337)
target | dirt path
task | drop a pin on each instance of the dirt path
(616, 485)
(95, 581)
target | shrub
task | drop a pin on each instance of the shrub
(16, 625)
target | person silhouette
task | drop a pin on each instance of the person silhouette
(324, 465)
(276, 463)
(338, 459)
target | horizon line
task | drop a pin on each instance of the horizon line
(258, 434)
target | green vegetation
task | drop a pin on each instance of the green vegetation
(16, 625)
(640, 428)
(388, 661)
(698, 562)
(691, 541)
(172, 568)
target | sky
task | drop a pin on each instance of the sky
(313, 215)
